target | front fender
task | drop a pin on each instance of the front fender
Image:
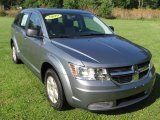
(57, 65)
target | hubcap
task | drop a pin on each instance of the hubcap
(52, 89)
(14, 53)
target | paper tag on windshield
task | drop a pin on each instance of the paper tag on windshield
(53, 16)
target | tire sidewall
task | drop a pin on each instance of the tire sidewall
(15, 60)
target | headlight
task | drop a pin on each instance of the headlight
(88, 73)
(150, 64)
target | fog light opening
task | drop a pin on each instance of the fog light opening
(101, 105)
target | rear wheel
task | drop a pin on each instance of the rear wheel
(54, 90)
(14, 55)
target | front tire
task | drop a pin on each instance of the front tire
(54, 90)
(14, 55)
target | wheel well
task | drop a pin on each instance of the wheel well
(44, 68)
(11, 43)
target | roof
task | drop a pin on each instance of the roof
(53, 10)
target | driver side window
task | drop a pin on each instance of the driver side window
(35, 24)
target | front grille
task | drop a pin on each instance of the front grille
(142, 74)
(143, 64)
(129, 73)
(122, 78)
(119, 69)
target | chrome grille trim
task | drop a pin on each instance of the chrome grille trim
(121, 73)
(143, 69)
(138, 72)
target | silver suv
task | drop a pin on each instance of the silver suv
(81, 61)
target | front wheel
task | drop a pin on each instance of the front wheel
(54, 90)
(14, 55)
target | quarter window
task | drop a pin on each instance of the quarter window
(21, 20)
(24, 20)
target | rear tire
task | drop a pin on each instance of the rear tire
(54, 90)
(14, 55)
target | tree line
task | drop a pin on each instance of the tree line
(101, 8)
(128, 4)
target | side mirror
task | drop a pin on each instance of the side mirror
(32, 32)
(112, 27)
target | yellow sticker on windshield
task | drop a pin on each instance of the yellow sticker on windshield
(53, 16)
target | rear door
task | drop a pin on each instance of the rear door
(19, 32)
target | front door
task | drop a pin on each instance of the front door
(34, 43)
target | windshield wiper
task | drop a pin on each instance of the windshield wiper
(60, 36)
(95, 34)
(72, 36)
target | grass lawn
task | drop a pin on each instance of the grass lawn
(22, 94)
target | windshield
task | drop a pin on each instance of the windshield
(69, 25)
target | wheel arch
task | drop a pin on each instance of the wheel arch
(44, 68)
(57, 67)
(11, 42)
(14, 41)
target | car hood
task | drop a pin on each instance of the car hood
(108, 51)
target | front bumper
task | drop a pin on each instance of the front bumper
(106, 95)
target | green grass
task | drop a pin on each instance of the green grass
(22, 94)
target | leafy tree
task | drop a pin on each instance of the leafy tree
(43, 3)
(152, 3)
(121, 3)
(100, 7)
(158, 4)
(2, 2)
(105, 9)
(70, 4)
(9, 3)
(30, 3)
(136, 3)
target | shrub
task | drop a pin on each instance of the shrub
(136, 13)
(105, 8)
(12, 13)
(3, 13)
